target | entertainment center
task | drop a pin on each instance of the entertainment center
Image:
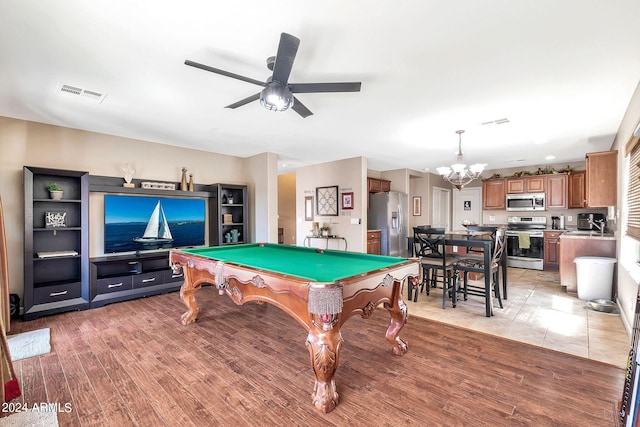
(58, 273)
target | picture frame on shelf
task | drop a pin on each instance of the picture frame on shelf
(55, 219)
(327, 201)
(347, 200)
(417, 206)
(308, 208)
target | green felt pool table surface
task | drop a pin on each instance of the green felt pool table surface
(307, 263)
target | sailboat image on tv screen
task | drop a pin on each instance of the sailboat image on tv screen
(157, 231)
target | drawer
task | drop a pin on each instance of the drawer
(170, 276)
(373, 235)
(113, 284)
(148, 279)
(552, 234)
(57, 293)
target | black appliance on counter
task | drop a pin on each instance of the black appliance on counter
(555, 223)
(525, 241)
(586, 220)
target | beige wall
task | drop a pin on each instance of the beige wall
(287, 206)
(349, 175)
(35, 144)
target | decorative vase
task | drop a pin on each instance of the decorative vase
(56, 194)
(183, 185)
(190, 182)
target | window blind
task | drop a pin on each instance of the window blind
(633, 187)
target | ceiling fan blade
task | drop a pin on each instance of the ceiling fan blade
(242, 102)
(287, 50)
(224, 73)
(299, 108)
(324, 87)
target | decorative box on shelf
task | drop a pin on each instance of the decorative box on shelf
(157, 185)
(227, 219)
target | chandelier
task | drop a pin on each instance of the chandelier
(458, 174)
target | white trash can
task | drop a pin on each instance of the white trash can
(595, 277)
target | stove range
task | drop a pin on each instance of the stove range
(525, 241)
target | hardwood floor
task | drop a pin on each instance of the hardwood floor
(134, 364)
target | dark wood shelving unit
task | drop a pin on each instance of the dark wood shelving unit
(60, 283)
(231, 202)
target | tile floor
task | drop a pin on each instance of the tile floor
(539, 312)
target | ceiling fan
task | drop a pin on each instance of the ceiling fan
(277, 94)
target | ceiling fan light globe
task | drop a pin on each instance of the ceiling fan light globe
(276, 98)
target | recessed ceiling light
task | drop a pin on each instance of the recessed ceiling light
(517, 161)
(550, 157)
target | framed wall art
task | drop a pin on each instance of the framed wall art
(327, 201)
(347, 200)
(308, 208)
(417, 206)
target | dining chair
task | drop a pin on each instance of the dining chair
(479, 229)
(429, 247)
(475, 264)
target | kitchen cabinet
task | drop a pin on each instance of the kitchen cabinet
(552, 250)
(373, 242)
(494, 194)
(556, 194)
(572, 246)
(602, 179)
(576, 188)
(376, 185)
(526, 184)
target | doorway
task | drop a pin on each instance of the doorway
(440, 208)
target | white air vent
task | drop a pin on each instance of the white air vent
(495, 122)
(83, 93)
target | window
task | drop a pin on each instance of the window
(632, 172)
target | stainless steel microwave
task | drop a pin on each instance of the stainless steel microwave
(526, 202)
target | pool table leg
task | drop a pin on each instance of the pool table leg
(188, 296)
(398, 311)
(324, 350)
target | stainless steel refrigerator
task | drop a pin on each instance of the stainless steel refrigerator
(388, 213)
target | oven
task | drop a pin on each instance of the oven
(525, 242)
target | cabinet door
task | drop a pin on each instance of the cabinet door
(374, 185)
(557, 191)
(534, 184)
(515, 185)
(493, 194)
(385, 185)
(602, 179)
(576, 190)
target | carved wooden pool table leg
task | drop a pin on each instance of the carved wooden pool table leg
(324, 350)
(188, 295)
(398, 311)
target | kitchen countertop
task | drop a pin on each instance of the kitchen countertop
(585, 234)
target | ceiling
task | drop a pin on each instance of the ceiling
(561, 72)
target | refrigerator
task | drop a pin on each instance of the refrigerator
(388, 213)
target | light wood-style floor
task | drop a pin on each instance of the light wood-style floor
(134, 364)
(538, 311)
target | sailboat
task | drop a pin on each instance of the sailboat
(157, 230)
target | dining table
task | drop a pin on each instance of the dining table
(484, 241)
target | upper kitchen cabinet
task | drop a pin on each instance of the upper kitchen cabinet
(494, 194)
(376, 185)
(526, 184)
(602, 179)
(576, 186)
(556, 191)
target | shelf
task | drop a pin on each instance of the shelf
(57, 201)
(35, 230)
(51, 258)
(109, 184)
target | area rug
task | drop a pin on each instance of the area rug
(29, 344)
(30, 418)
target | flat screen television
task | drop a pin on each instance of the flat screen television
(139, 223)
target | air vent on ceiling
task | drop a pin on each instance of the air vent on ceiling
(83, 93)
(495, 122)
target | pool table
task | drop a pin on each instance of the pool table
(321, 289)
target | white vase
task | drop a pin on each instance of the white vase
(55, 194)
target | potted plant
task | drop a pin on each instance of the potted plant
(325, 230)
(55, 191)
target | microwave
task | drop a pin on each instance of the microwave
(526, 202)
